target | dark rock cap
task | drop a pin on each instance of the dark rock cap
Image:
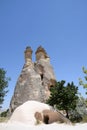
(40, 49)
(28, 49)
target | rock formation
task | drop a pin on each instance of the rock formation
(35, 79)
(25, 112)
(34, 112)
(49, 116)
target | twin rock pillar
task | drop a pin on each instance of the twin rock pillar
(35, 79)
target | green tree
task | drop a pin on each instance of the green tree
(63, 97)
(3, 85)
(84, 82)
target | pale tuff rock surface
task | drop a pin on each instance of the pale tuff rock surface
(23, 119)
(35, 79)
(32, 112)
(25, 113)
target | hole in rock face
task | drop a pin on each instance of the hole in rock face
(41, 76)
(50, 87)
(46, 119)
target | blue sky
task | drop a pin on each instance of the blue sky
(60, 26)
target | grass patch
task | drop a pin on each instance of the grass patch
(84, 119)
(3, 119)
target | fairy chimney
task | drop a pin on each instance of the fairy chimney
(41, 53)
(35, 79)
(28, 55)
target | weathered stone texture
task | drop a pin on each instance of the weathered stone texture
(50, 116)
(34, 80)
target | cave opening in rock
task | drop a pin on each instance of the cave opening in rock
(46, 119)
(41, 76)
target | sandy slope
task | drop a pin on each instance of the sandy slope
(54, 126)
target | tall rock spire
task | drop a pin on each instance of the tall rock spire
(28, 55)
(41, 53)
(35, 79)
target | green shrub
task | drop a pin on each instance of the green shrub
(4, 114)
(75, 117)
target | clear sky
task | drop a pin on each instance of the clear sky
(60, 26)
